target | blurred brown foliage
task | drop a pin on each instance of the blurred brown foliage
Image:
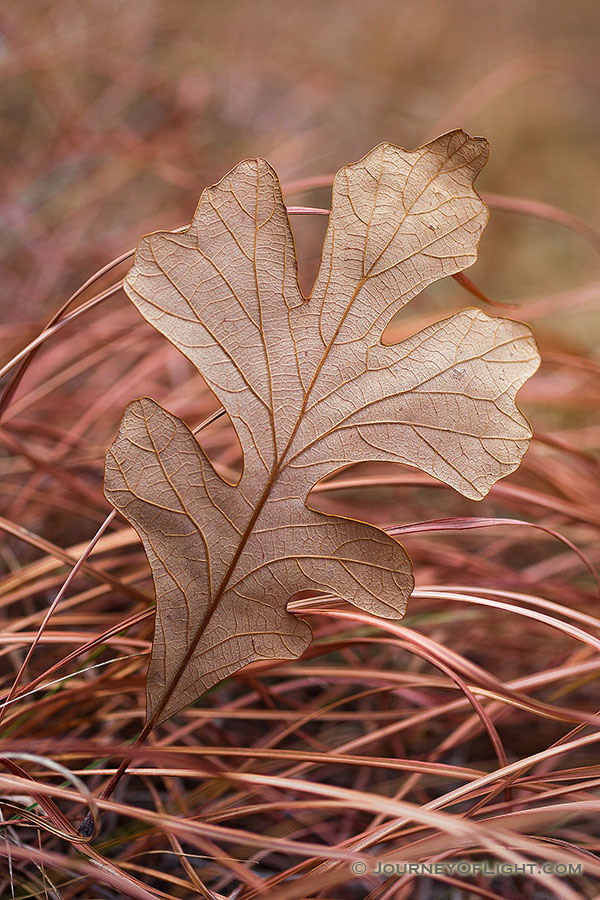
(115, 114)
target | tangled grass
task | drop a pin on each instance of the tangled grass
(470, 730)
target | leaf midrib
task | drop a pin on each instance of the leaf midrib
(278, 465)
(275, 471)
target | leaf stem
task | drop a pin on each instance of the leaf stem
(86, 828)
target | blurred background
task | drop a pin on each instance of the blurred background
(115, 114)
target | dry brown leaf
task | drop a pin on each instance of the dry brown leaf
(309, 387)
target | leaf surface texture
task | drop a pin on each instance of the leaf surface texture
(309, 387)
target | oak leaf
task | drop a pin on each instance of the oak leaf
(309, 388)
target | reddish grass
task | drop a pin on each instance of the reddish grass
(470, 729)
